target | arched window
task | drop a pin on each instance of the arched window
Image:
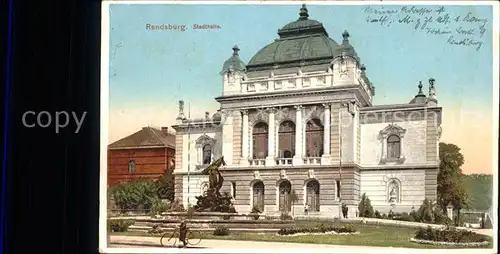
(312, 195)
(393, 191)
(393, 146)
(207, 154)
(286, 137)
(314, 138)
(285, 189)
(258, 195)
(131, 166)
(260, 136)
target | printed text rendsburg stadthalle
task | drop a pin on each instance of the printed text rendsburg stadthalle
(181, 28)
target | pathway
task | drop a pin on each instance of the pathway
(118, 241)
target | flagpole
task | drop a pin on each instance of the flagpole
(189, 151)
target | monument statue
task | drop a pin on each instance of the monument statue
(392, 195)
(215, 178)
(211, 199)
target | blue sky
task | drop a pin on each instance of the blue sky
(157, 68)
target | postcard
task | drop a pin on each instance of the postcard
(311, 127)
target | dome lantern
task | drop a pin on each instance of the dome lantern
(303, 14)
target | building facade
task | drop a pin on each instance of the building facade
(299, 118)
(145, 154)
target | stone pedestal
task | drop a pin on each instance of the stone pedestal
(449, 212)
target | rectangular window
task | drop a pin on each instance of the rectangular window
(338, 189)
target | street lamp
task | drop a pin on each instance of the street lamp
(350, 109)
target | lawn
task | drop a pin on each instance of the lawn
(369, 235)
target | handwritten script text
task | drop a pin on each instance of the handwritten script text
(465, 29)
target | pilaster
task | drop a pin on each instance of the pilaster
(270, 160)
(245, 139)
(325, 159)
(299, 132)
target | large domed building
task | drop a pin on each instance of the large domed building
(298, 120)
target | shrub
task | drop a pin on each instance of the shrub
(441, 218)
(165, 185)
(135, 195)
(285, 216)
(221, 231)
(414, 215)
(176, 206)
(321, 228)
(267, 217)
(365, 207)
(120, 225)
(158, 207)
(391, 214)
(426, 212)
(403, 217)
(459, 220)
(255, 213)
(156, 229)
(190, 212)
(378, 215)
(449, 235)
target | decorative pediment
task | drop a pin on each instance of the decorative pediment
(204, 140)
(393, 129)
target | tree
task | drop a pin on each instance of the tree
(365, 207)
(479, 189)
(292, 199)
(450, 187)
(139, 194)
(166, 185)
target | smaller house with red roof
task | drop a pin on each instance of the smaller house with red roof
(146, 154)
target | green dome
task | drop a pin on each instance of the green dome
(301, 24)
(234, 63)
(302, 42)
(346, 48)
(420, 98)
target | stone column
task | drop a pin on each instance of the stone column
(244, 139)
(325, 159)
(299, 132)
(270, 160)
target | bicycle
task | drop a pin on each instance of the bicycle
(192, 238)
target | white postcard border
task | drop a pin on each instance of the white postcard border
(104, 128)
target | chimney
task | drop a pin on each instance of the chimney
(164, 130)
